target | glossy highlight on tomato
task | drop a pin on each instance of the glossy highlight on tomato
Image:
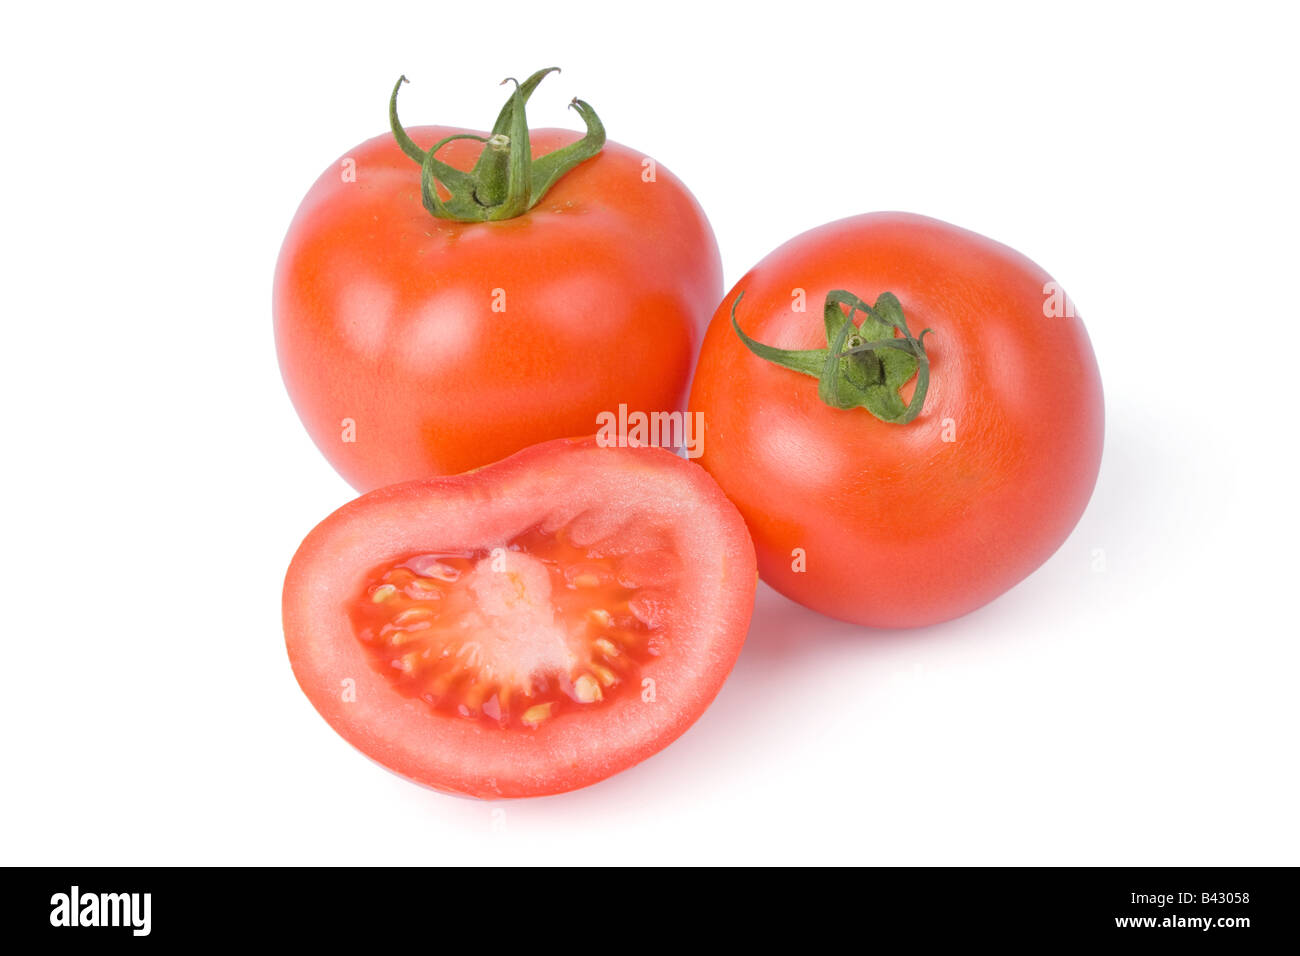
(526, 629)
(901, 518)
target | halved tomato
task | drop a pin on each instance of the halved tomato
(528, 628)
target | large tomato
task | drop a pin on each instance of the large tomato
(889, 477)
(414, 346)
(528, 628)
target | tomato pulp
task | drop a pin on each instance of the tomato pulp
(901, 525)
(526, 629)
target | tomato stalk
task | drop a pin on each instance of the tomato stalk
(506, 181)
(862, 366)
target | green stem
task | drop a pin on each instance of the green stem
(493, 171)
(506, 181)
(862, 366)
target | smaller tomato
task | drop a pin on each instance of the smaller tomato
(526, 629)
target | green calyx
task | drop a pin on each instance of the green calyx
(506, 181)
(862, 366)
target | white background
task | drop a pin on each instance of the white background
(1134, 701)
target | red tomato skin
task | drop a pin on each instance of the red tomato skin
(384, 315)
(713, 602)
(899, 527)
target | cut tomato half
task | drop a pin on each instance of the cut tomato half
(528, 628)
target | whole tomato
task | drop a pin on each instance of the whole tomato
(445, 298)
(903, 462)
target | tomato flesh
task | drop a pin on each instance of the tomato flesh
(514, 635)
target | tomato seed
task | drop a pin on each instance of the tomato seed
(586, 689)
(537, 713)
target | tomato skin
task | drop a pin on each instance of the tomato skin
(901, 528)
(712, 602)
(384, 314)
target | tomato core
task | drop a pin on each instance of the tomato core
(513, 635)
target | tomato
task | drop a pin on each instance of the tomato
(526, 629)
(982, 450)
(415, 346)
